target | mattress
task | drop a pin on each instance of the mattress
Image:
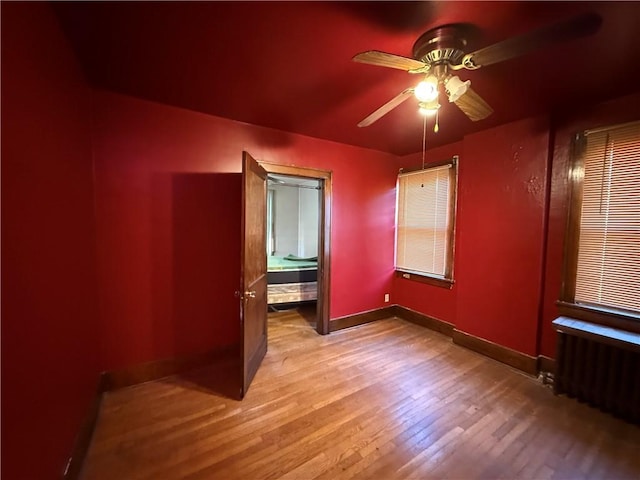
(291, 279)
(292, 292)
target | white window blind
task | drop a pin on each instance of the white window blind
(608, 269)
(423, 221)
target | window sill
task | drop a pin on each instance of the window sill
(591, 331)
(416, 277)
(619, 320)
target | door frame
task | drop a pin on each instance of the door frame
(324, 245)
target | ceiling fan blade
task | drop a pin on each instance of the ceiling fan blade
(473, 106)
(576, 27)
(382, 59)
(386, 108)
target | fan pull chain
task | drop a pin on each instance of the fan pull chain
(424, 139)
(436, 127)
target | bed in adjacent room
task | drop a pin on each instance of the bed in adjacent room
(291, 279)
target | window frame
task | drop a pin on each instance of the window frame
(271, 221)
(447, 280)
(601, 314)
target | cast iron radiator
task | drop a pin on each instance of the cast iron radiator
(600, 366)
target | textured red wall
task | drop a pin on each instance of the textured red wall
(155, 176)
(436, 302)
(501, 213)
(508, 268)
(49, 296)
(499, 236)
(610, 113)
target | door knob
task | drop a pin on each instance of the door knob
(250, 294)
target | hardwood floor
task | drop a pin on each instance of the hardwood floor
(385, 400)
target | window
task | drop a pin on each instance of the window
(271, 222)
(603, 245)
(425, 223)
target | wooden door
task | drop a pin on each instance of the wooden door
(253, 309)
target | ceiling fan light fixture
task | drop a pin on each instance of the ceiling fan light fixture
(429, 108)
(427, 90)
(456, 88)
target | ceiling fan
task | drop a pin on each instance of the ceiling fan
(440, 51)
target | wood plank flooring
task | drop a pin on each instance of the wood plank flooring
(384, 400)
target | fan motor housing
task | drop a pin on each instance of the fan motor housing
(444, 44)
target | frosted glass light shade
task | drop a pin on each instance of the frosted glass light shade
(456, 88)
(427, 90)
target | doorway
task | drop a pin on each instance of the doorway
(311, 182)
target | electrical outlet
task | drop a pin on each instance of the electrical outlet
(386, 297)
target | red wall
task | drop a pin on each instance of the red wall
(49, 296)
(510, 230)
(501, 210)
(155, 176)
(499, 236)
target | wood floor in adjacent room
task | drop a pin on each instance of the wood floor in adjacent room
(384, 400)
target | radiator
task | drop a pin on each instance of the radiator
(600, 366)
